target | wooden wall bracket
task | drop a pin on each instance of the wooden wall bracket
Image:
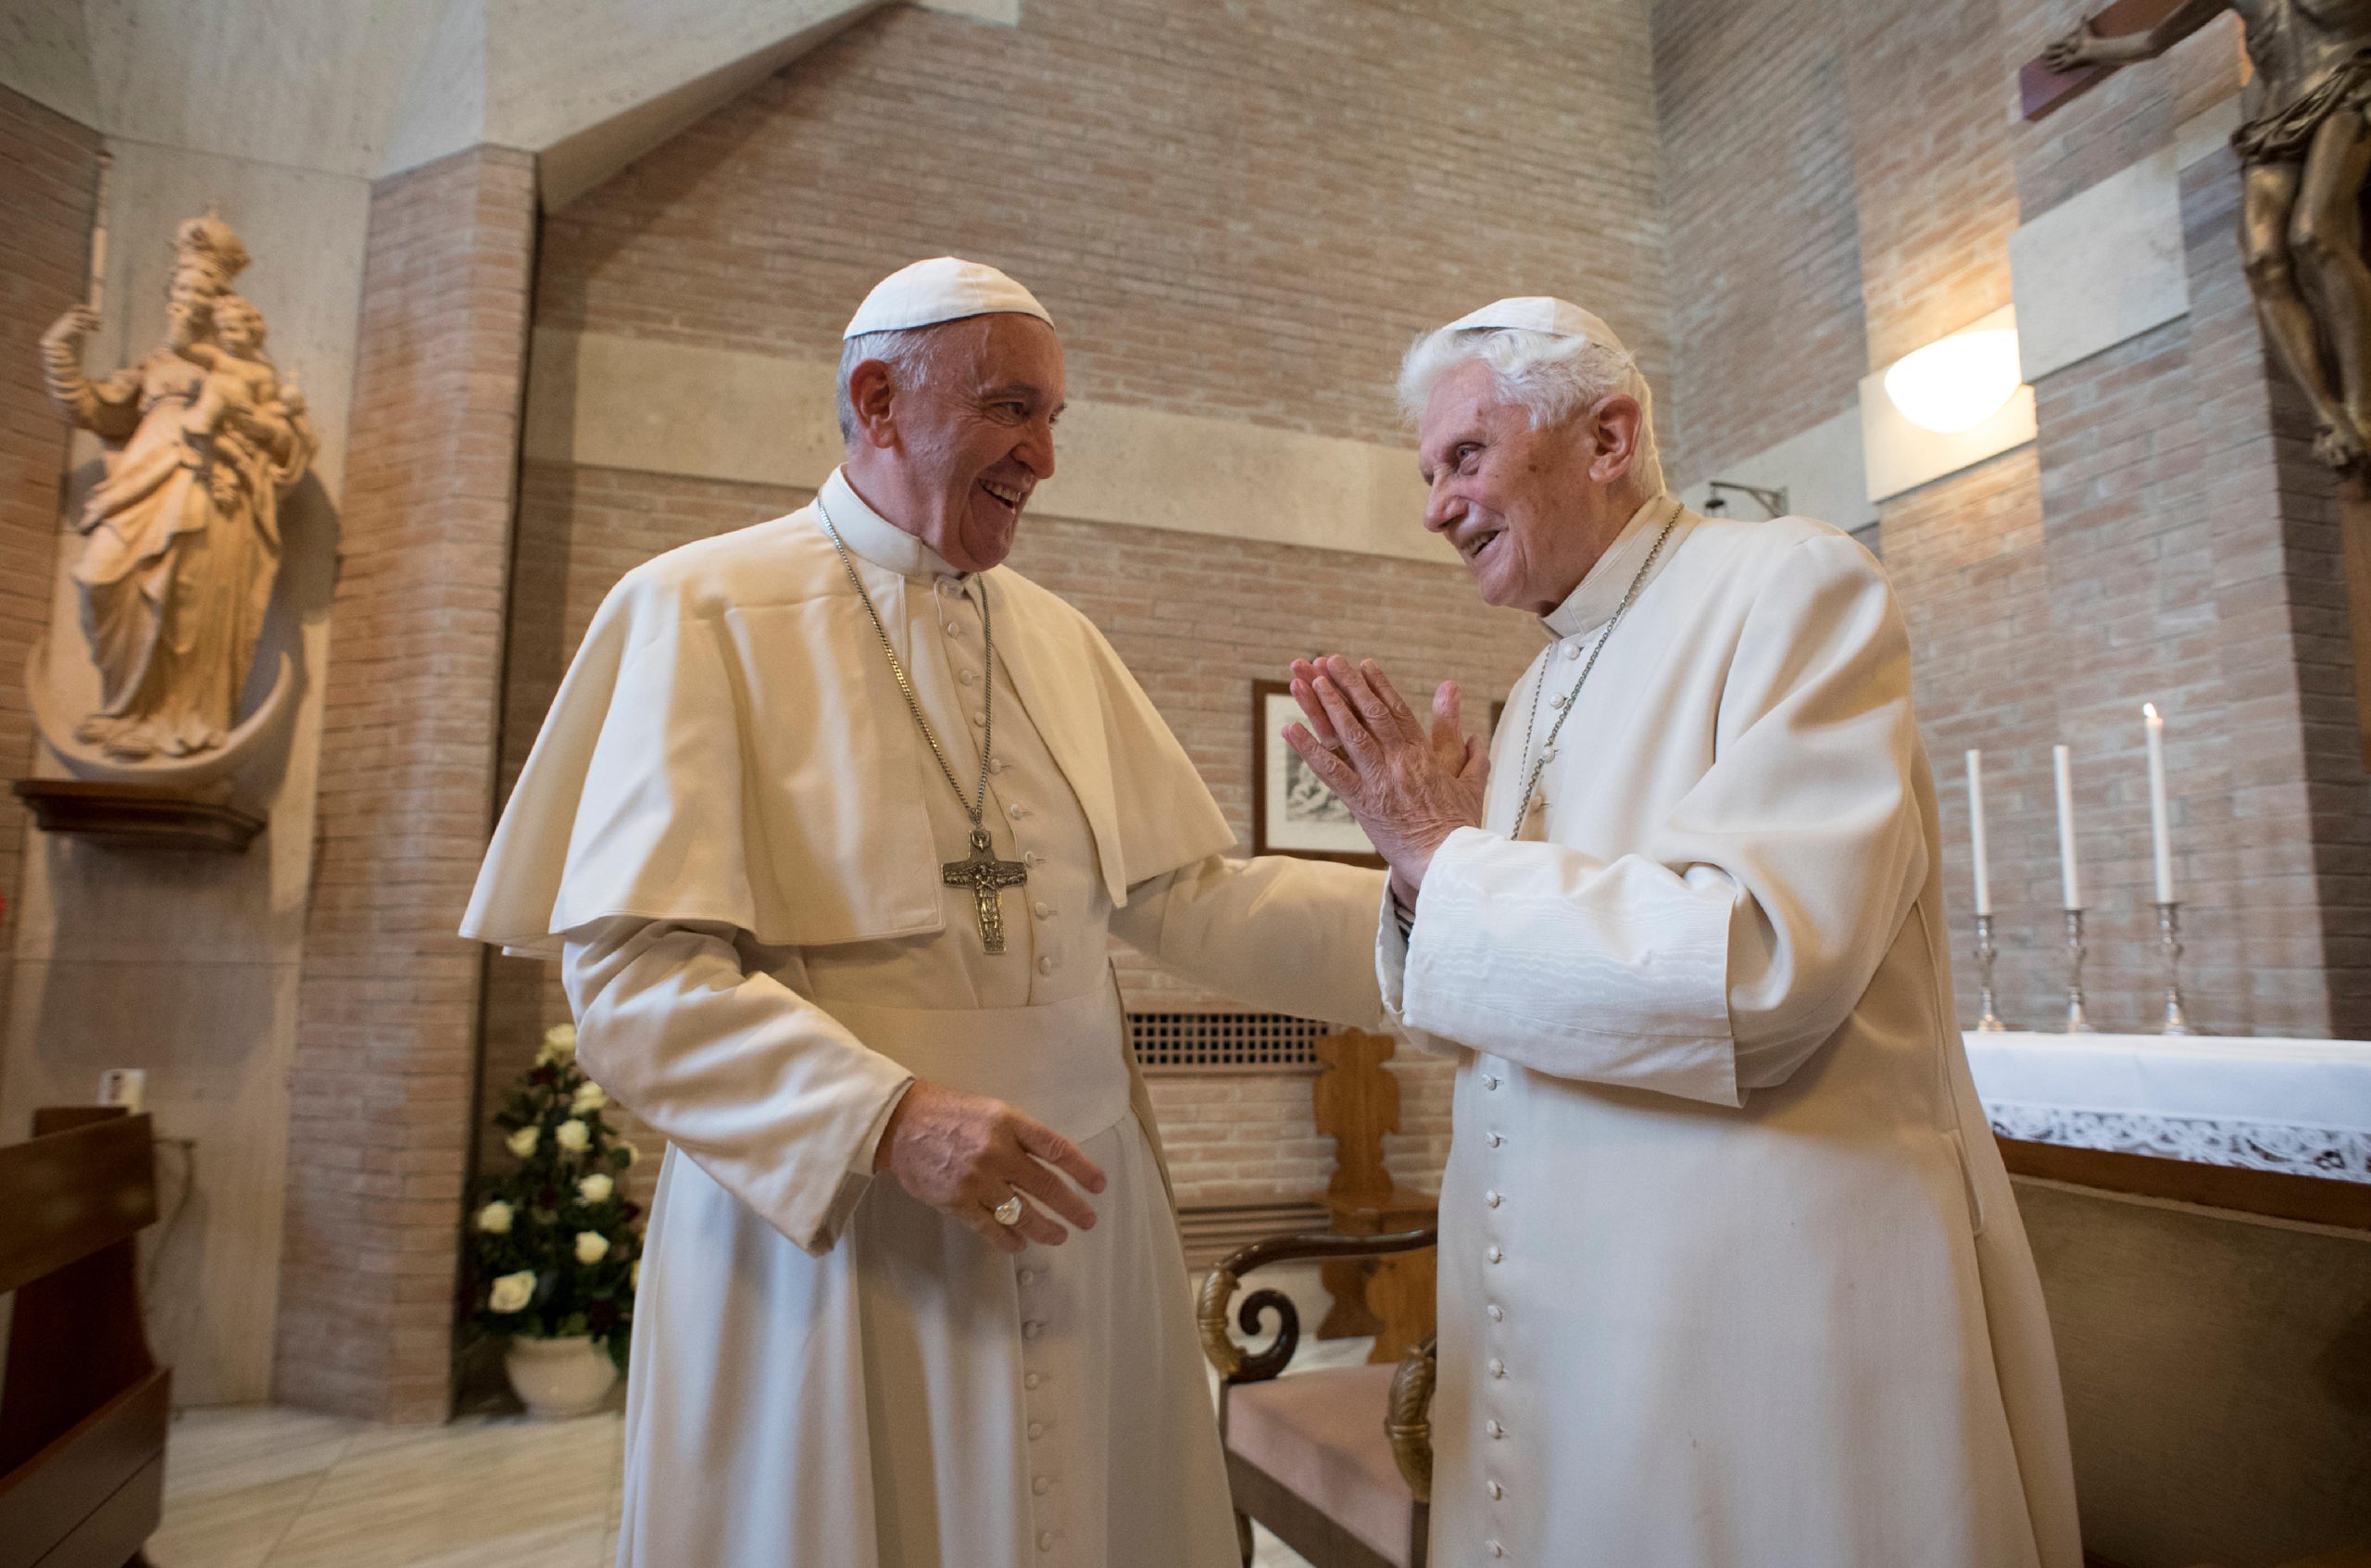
(137, 816)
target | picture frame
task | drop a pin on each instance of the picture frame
(1292, 811)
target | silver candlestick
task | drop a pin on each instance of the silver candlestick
(2169, 938)
(1985, 953)
(2076, 1024)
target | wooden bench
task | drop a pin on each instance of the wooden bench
(85, 1408)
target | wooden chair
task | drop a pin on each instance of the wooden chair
(84, 1413)
(1354, 1101)
(1337, 1462)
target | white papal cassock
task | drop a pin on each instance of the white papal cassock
(1730, 1271)
(733, 823)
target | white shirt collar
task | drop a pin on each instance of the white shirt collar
(875, 537)
(1592, 604)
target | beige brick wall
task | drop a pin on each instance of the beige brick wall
(2163, 540)
(48, 186)
(388, 1006)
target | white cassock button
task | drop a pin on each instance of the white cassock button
(951, 629)
(1016, 811)
(1498, 1313)
(1046, 964)
(1045, 910)
(1030, 857)
(995, 764)
(1041, 1486)
(1032, 1329)
(1572, 650)
(1494, 1429)
(1044, 1540)
(1037, 1430)
(1497, 1367)
(1032, 1381)
(1497, 1491)
(1493, 1198)
(980, 717)
(1489, 1080)
(1498, 1140)
(970, 677)
(1028, 1277)
(1495, 1255)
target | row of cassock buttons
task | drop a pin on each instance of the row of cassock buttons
(1495, 1255)
(1032, 1377)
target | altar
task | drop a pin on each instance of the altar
(2301, 1107)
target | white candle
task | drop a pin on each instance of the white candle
(1976, 830)
(2158, 825)
(2073, 885)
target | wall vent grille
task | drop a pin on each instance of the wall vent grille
(1225, 1042)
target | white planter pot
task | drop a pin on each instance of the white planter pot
(558, 1378)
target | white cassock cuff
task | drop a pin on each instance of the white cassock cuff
(1606, 973)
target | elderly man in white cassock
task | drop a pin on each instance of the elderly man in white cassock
(829, 823)
(1730, 1272)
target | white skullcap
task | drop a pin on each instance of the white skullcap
(945, 288)
(1538, 313)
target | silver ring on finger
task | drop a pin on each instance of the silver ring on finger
(1008, 1212)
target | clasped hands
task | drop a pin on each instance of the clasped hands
(1409, 785)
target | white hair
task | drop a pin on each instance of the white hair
(1553, 376)
(905, 351)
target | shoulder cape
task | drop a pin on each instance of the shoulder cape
(729, 746)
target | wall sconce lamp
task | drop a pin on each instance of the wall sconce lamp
(1772, 502)
(1956, 384)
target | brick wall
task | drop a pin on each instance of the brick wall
(48, 184)
(388, 1005)
(1196, 620)
(1243, 210)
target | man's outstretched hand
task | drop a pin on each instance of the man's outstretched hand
(964, 1154)
(1409, 786)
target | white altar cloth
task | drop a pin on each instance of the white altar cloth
(2299, 1105)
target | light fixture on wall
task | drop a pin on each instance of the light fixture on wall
(1957, 383)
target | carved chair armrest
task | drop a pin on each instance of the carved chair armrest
(1407, 1420)
(1234, 1363)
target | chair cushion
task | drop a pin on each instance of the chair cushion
(1320, 1435)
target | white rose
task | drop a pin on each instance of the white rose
(591, 1247)
(595, 1188)
(512, 1292)
(559, 1041)
(589, 1096)
(573, 1135)
(522, 1141)
(494, 1218)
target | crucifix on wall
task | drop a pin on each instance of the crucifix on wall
(2304, 149)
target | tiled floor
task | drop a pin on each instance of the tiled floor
(262, 1488)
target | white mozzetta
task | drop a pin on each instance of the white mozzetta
(661, 407)
(2102, 266)
(1899, 456)
(2303, 1106)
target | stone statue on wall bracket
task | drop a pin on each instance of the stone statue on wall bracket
(179, 540)
(2304, 146)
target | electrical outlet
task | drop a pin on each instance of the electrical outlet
(126, 1086)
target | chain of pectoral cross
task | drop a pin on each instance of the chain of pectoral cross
(986, 876)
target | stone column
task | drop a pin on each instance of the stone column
(389, 1000)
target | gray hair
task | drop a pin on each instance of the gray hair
(907, 352)
(1551, 376)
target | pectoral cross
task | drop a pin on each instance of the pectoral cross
(987, 877)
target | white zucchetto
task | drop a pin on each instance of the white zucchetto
(945, 288)
(1539, 313)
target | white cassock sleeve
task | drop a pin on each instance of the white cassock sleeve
(1722, 953)
(1279, 933)
(760, 1087)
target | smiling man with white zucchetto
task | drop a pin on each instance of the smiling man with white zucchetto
(829, 823)
(1730, 1274)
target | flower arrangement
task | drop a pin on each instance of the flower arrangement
(556, 1248)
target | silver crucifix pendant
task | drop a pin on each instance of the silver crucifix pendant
(987, 877)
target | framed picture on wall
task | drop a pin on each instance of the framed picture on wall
(1293, 813)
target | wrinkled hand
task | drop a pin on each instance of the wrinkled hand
(964, 1154)
(1410, 787)
(72, 327)
(2072, 52)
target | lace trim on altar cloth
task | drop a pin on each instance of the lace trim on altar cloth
(2332, 1154)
